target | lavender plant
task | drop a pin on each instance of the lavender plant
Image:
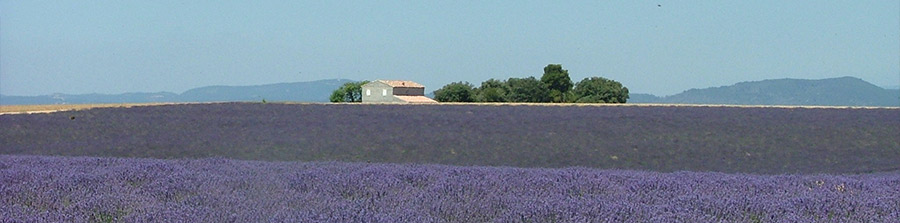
(89, 189)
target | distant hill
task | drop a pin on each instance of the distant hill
(312, 91)
(59, 98)
(643, 98)
(843, 91)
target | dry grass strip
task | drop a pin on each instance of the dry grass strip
(30, 109)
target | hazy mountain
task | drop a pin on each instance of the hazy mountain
(59, 98)
(643, 98)
(843, 91)
(312, 91)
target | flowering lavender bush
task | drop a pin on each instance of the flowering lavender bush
(722, 139)
(78, 189)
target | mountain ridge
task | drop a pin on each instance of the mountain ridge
(840, 91)
(309, 91)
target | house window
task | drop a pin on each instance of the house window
(383, 92)
(368, 92)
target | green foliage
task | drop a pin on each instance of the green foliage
(491, 90)
(557, 81)
(338, 95)
(600, 90)
(527, 90)
(455, 92)
(554, 86)
(349, 92)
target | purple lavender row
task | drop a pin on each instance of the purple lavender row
(79, 189)
(654, 138)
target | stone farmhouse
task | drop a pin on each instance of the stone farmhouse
(387, 91)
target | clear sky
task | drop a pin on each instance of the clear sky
(658, 47)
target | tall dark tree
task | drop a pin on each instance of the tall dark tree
(349, 92)
(491, 90)
(528, 89)
(557, 81)
(600, 90)
(455, 92)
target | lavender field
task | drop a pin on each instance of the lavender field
(79, 189)
(653, 138)
(251, 162)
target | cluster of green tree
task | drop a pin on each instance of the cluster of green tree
(349, 92)
(554, 86)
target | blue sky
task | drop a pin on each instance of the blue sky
(658, 47)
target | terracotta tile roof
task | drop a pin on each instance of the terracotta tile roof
(396, 83)
(415, 99)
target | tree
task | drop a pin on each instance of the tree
(526, 90)
(455, 92)
(349, 92)
(557, 81)
(491, 90)
(600, 90)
